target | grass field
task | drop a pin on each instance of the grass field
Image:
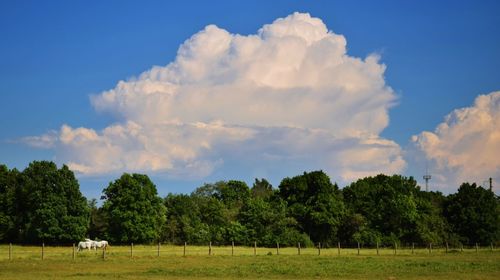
(58, 263)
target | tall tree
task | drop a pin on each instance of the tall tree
(98, 227)
(184, 222)
(262, 189)
(315, 203)
(136, 213)
(387, 204)
(8, 187)
(474, 214)
(54, 210)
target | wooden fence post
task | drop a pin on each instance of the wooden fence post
(73, 251)
(232, 248)
(255, 248)
(412, 248)
(430, 248)
(104, 252)
(277, 248)
(446, 246)
(210, 248)
(477, 247)
(377, 249)
(298, 248)
(491, 246)
(319, 248)
(185, 249)
(131, 250)
(358, 248)
(43, 248)
(461, 247)
(338, 247)
(10, 251)
(158, 249)
(395, 248)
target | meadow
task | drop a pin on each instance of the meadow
(144, 263)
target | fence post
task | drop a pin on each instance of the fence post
(446, 246)
(255, 248)
(491, 246)
(185, 249)
(43, 247)
(412, 248)
(377, 249)
(131, 250)
(338, 246)
(210, 248)
(104, 252)
(395, 248)
(358, 248)
(477, 247)
(430, 248)
(298, 248)
(461, 247)
(277, 248)
(319, 248)
(158, 249)
(232, 248)
(10, 251)
(73, 251)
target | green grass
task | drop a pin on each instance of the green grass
(58, 263)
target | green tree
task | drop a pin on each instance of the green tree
(98, 227)
(431, 226)
(315, 203)
(195, 218)
(8, 185)
(136, 213)
(54, 210)
(387, 204)
(267, 223)
(262, 189)
(474, 214)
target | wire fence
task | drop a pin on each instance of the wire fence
(15, 252)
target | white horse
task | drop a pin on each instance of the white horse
(87, 244)
(100, 244)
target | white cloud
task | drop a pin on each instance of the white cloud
(289, 91)
(465, 147)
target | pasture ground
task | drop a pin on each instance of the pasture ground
(58, 263)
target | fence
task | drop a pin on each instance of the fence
(42, 252)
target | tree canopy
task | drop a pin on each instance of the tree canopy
(43, 203)
(135, 211)
(474, 214)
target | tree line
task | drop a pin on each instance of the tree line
(43, 203)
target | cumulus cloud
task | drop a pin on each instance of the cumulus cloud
(465, 147)
(290, 91)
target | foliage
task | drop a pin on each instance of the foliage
(8, 186)
(136, 213)
(392, 209)
(315, 203)
(474, 214)
(44, 204)
(262, 189)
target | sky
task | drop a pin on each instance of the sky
(192, 92)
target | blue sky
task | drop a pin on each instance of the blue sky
(440, 55)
